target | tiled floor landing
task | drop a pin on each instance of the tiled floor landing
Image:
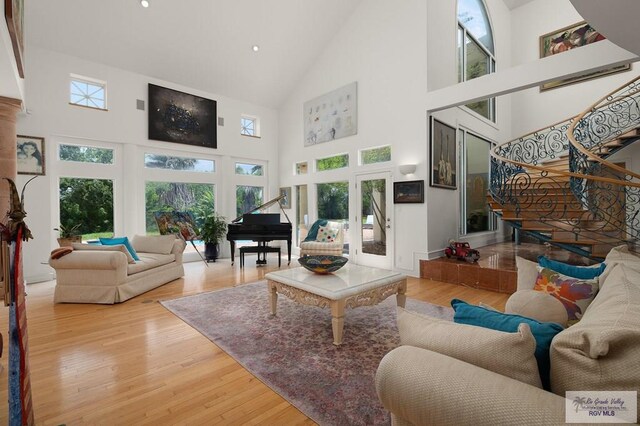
(496, 268)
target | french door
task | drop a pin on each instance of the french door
(374, 242)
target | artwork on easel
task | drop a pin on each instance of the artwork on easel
(181, 223)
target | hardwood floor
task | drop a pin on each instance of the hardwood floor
(137, 363)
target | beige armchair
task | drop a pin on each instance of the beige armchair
(311, 246)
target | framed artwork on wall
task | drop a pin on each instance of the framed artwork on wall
(411, 191)
(30, 153)
(444, 155)
(572, 37)
(182, 118)
(331, 116)
(286, 201)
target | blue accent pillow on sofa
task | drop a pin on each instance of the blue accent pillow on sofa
(121, 240)
(313, 231)
(574, 271)
(543, 332)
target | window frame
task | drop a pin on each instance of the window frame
(493, 220)
(92, 81)
(363, 150)
(461, 59)
(344, 154)
(256, 125)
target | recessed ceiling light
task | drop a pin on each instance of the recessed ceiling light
(144, 3)
(255, 47)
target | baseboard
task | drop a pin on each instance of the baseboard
(32, 279)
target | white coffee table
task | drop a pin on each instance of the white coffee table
(349, 287)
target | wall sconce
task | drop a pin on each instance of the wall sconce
(407, 169)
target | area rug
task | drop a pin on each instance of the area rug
(293, 352)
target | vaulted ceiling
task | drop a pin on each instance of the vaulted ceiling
(205, 44)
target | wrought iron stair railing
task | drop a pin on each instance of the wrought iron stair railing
(556, 184)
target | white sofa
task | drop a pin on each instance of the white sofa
(105, 274)
(601, 352)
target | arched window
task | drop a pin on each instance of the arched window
(476, 55)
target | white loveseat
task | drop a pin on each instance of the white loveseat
(601, 352)
(106, 274)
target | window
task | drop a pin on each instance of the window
(331, 163)
(85, 154)
(476, 164)
(375, 155)
(248, 198)
(249, 169)
(87, 92)
(301, 168)
(333, 204)
(195, 198)
(89, 204)
(249, 126)
(302, 213)
(157, 161)
(476, 56)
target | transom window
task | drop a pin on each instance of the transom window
(87, 92)
(476, 56)
(331, 163)
(249, 169)
(85, 154)
(186, 164)
(249, 126)
(375, 155)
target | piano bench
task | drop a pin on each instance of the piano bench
(259, 249)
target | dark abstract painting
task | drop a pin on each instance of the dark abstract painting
(181, 118)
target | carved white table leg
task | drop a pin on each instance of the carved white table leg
(274, 297)
(401, 297)
(337, 320)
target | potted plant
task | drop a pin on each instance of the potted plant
(68, 235)
(213, 230)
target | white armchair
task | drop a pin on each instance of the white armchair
(325, 237)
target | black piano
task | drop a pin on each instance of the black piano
(260, 227)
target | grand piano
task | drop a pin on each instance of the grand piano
(260, 227)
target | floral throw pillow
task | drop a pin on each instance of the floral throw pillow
(575, 294)
(326, 234)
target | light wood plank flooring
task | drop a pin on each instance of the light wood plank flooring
(137, 363)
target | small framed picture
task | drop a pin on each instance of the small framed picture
(286, 201)
(444, 157)
(30, 151)
(411, 191)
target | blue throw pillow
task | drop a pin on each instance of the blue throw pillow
(121, 240)
(543, 332)
(313, 232)
(581, 272)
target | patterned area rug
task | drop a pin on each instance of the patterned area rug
(293, 352)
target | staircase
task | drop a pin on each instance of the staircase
(556, 184)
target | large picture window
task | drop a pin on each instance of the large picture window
(195, 198)
(476, 55)
(87, 204)
(248, 198)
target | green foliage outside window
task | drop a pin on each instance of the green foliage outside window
(86, 154)
(330, 163)
(87, 203)
(333, 200)
(376, 155)
(196, 198)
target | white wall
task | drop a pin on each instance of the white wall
(444, 205)
(50, 116)
(383, 46)
(532, 109)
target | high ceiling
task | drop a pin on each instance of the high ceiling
(205, 44)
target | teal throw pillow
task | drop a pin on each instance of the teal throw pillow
(574, 271)
(313, 232)
(121, 240)
(543, 332)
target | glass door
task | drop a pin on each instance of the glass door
(374, 225)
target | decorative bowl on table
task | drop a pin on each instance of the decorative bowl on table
(323, 263)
